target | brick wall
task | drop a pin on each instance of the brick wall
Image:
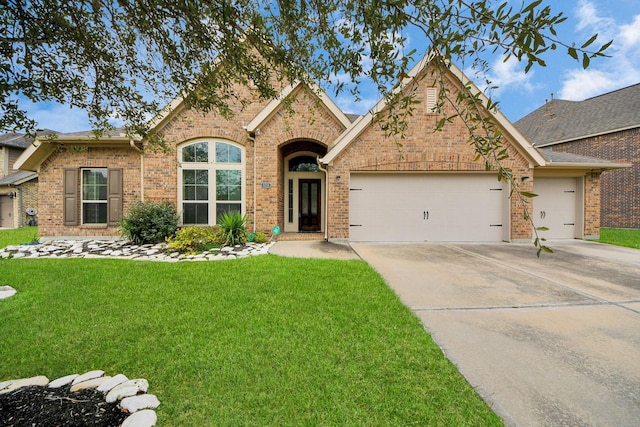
(422, 150)
(50, 187)
(620, 188)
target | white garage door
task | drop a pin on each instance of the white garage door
(418, 208)
(555, 207)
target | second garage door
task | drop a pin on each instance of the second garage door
(426, 207)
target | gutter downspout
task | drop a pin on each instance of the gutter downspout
(252, 137)
(326, 198)
(133, 145)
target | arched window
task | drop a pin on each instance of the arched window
(211, 181)
(303, 164)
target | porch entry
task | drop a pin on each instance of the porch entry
(309, 200)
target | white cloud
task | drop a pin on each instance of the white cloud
(505, 75)
(605, 74)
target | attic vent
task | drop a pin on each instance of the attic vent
(432, 99)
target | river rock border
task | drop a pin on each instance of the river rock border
(125, 250)
(131, 394)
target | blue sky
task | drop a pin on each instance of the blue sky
(518, 93)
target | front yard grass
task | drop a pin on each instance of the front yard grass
(257, 341)
(628, 237)
(15, 236)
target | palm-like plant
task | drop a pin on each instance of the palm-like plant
(232, 228)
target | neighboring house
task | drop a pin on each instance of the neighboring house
(315, 173)
(605, 126)
(18, 189)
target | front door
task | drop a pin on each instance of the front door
(309, 205)
(6, 211)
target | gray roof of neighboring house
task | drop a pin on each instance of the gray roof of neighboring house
(560, 120)
(19, 140)
(18, 177)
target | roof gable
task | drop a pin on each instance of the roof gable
(362, 123)
(560, 121)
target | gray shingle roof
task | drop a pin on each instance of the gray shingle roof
(561, 120)
(19, 140)
(17, 178)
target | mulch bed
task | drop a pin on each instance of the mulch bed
(57, 407)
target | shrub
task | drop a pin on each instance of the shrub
(194, 239)
(260, 237)
(149, 222)
(232, 229)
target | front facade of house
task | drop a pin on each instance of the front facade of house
(314, 172)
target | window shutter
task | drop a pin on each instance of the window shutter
(70, 207)
(114, 198)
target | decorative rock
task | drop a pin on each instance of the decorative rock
(87, 376)
(136, 403)
(126, 389)
(25, 382)
(6, 292)
(89, 384)
(112, 382)
(60, 382)
(145, 418)
(5, 384)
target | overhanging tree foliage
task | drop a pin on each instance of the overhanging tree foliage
(127, 59)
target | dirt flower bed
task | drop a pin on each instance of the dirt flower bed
(53, 407)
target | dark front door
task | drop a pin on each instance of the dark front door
(309, 206)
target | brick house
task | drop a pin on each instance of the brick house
(18, 189)
(605, 126)
(316, 173)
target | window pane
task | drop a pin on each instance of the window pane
(227, 207)
(94, 184)
(189, 176)
(195, 184)
(195, 213)
(227, 153)
(202, 152)
(228, 185)
(189, 154)
(196, 152)
(94, 213)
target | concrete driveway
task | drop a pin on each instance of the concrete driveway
(546, 342)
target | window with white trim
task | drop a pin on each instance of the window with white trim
(94, 196)
(210, 181)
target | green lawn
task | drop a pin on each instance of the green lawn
(621, 236)
(15, 236)
(256, 341)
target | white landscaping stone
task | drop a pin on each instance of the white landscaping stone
(89, 384)
(62, 381)
(87, 376)
(126, 389)
(5, 384)
(6, 292)
(136, 403)
(146, 418)
(25, 382)
(112, 382)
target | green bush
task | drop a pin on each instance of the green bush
(149, 222)
(260, 237)
(232, 229)
(194, 239)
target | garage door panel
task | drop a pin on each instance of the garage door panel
(555, 207)
(410, 207)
